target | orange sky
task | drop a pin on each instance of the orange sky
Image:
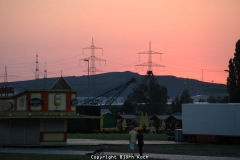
(197, 37)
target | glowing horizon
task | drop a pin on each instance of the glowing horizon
(197, 38)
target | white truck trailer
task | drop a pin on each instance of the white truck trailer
(211, 122)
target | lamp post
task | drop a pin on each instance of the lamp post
(86, 60)
(229, 88)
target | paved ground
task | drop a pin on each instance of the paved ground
(98, 142)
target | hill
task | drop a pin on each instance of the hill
(102, 83)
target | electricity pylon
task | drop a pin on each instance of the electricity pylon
(148, 77)
(93, 58)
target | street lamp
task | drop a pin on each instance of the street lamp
(86, 60)
(229, 87)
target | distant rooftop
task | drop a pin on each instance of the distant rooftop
(61, 84)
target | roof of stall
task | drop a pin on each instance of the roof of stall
(159, 117)
(126, 116)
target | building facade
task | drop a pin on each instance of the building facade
(37, 116)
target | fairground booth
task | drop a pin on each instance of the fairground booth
(37, 117)
(167, 122)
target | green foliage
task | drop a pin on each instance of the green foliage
(115, 110)
(217, 99)
(176, 105)
(201, 100)
(142, 94)
(178, 101)
(185, 97)
(211, 99)
(157, 100)
(151, 98)
(128, 107)
(142, 108)
(233, 80)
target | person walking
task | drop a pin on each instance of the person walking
(140, 142)
(132, 139)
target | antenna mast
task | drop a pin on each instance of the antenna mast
(37, 68)
(45, 71)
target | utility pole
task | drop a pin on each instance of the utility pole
(86, 60)
(5, 75)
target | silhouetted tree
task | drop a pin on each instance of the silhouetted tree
(157, 98)
(233, 80)
(151, 98)
(115, 110)
(128, 107)
(176, 105)
(178, 101)
(222, 99)
(217, 99)
(141, 94)
(201, 100)
(211, 99)
(185, 97)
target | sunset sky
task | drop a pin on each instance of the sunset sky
(197, 37)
